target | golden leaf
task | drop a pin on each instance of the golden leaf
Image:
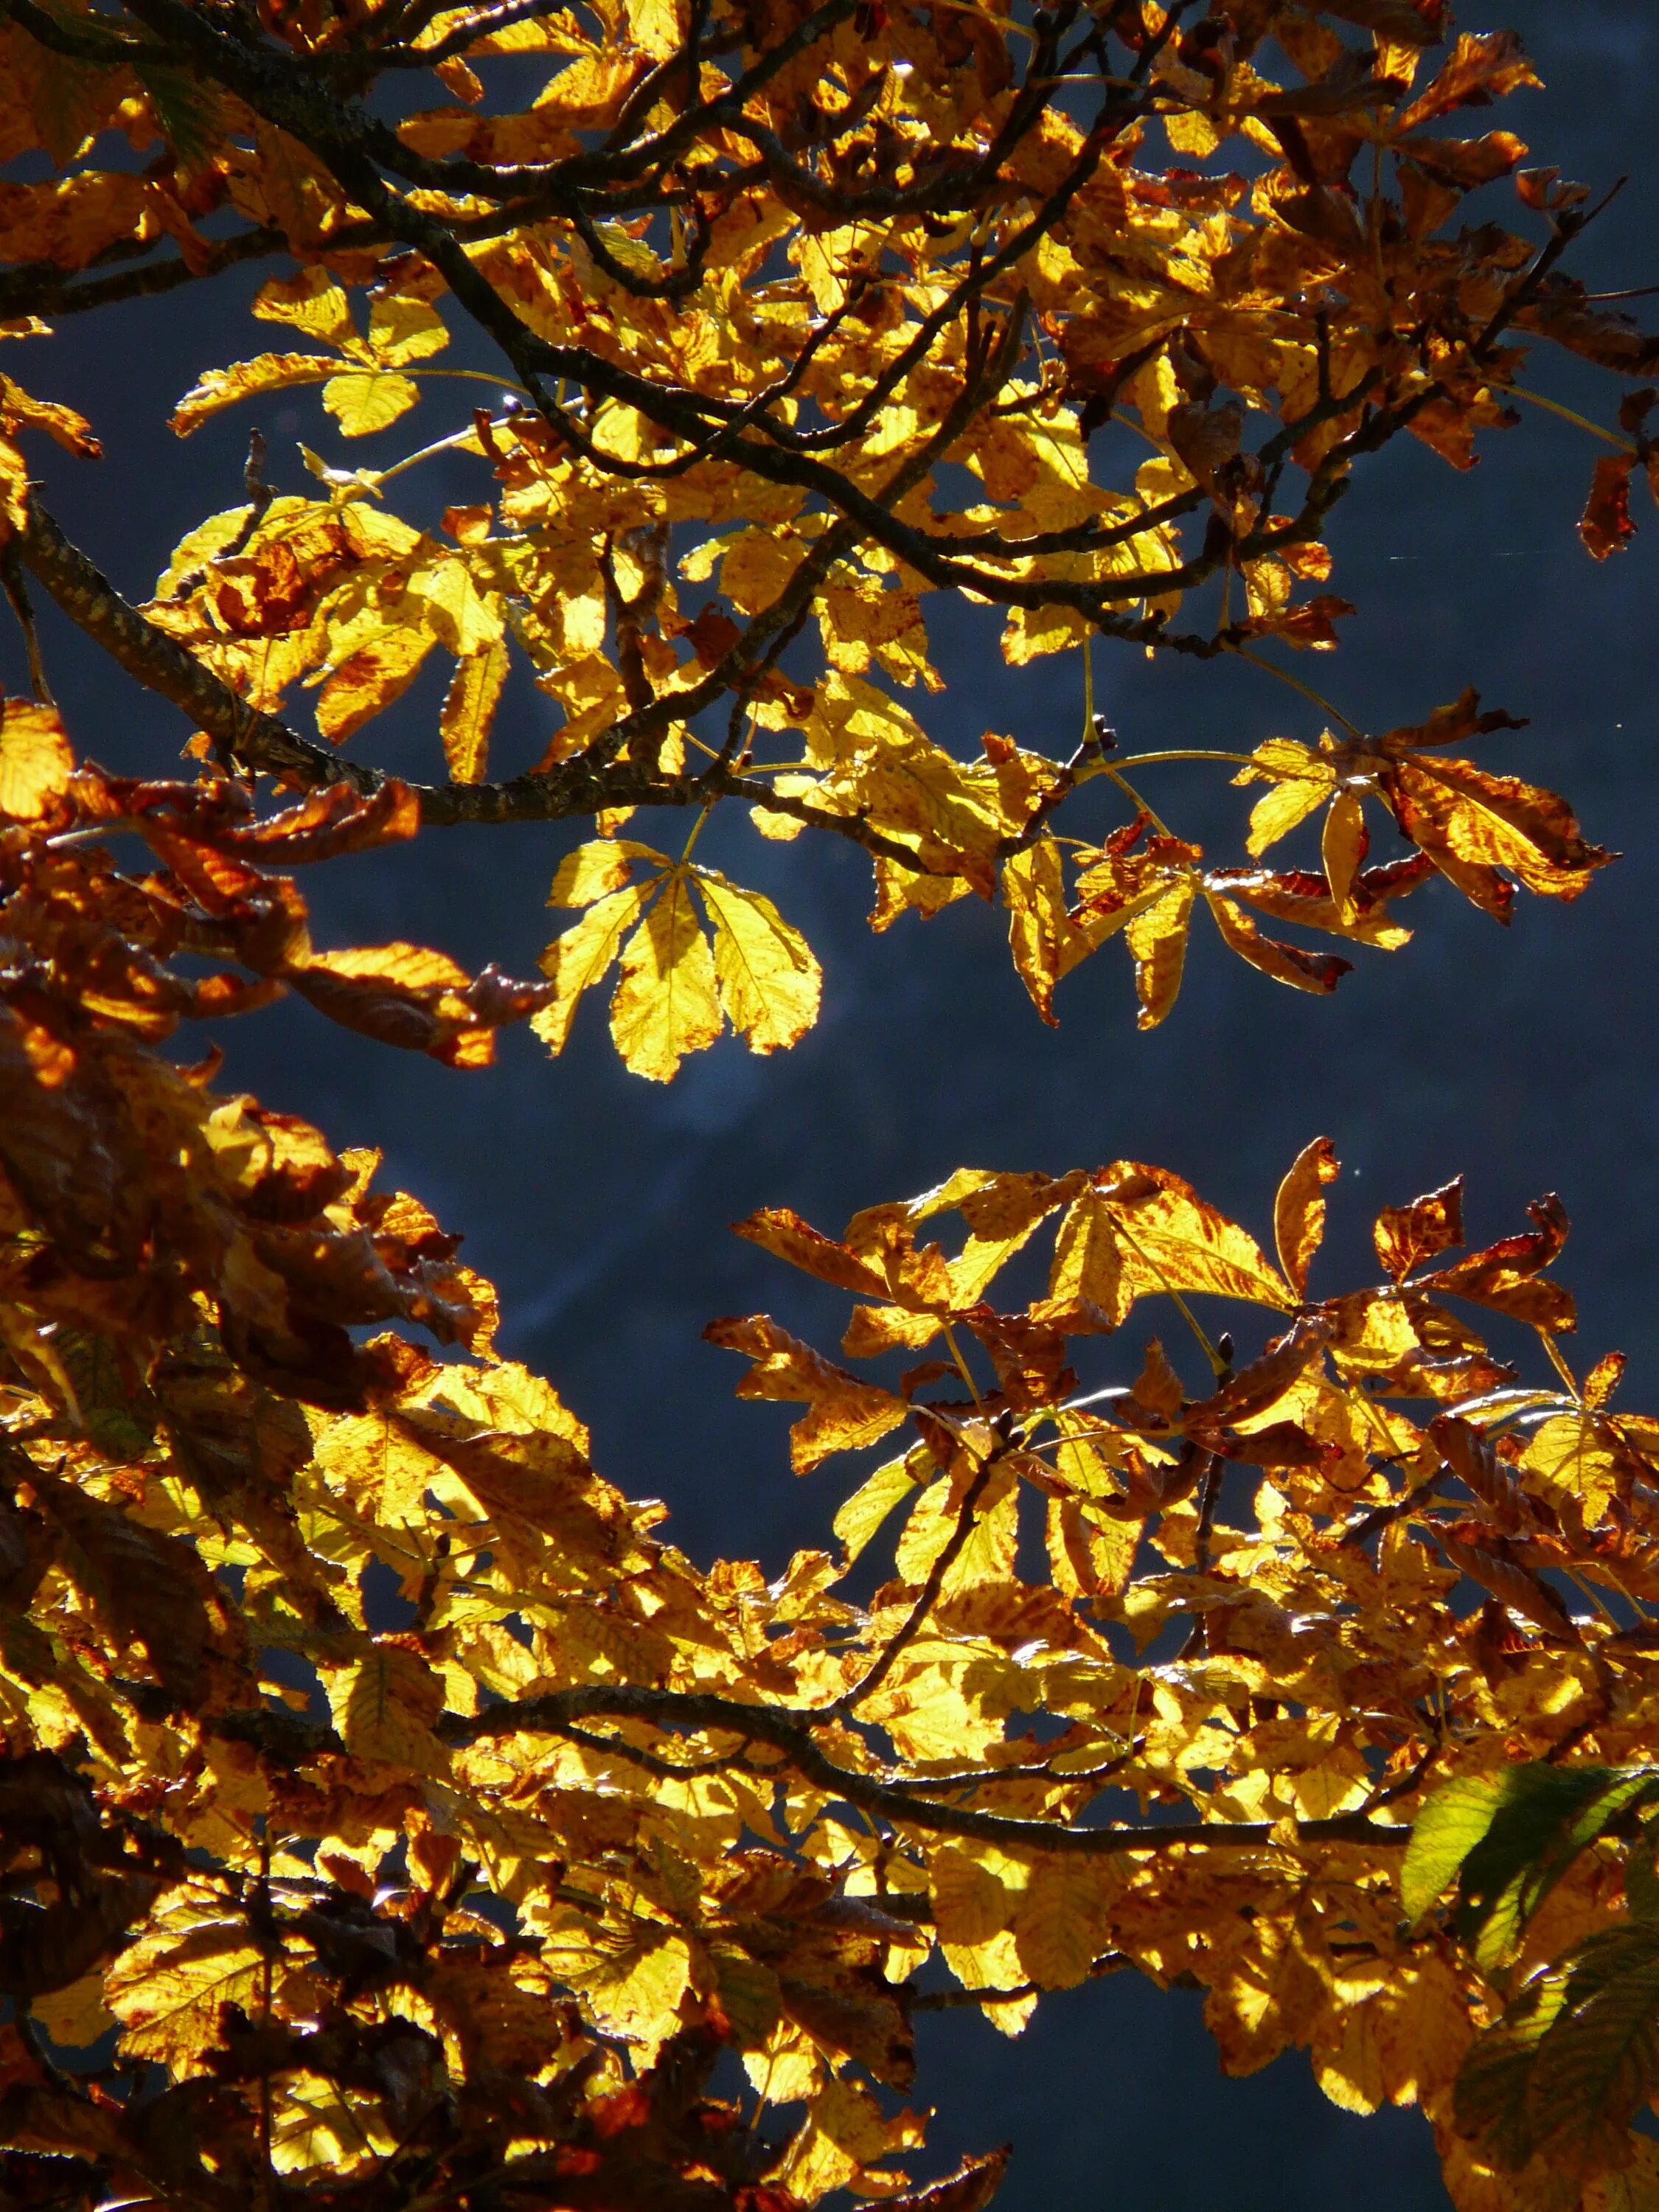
(580, 958)
(368, 680)
(469, 712)
(665, 1003)
(362, 400)
(1061, 1920)
(35, 761)
(1299, 1210)
(220, 388)
(384, 1708)
(861, 1516)
(845, 1414)
(1300, 781)
(767, 978)
(1157, 937)
(169, 1988)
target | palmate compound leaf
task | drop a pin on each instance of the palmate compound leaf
(678, 985)
(643, 1904)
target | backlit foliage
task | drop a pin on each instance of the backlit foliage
(392, 1818)
(792, 321)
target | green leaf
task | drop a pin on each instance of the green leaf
(1642, 1880)
(1509, 1836)
(1598, 2062)
(188, 108)
(1451, 1823)
(1490, 2100)
(1548, 1815)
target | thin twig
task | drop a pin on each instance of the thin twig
(17, 592)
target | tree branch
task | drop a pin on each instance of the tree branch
(790, 1731)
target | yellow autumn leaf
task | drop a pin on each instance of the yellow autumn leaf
(572, 964)
(469, 712)
(385, 1706)
(1172, 1239)
(767, 979)
(76, 2016)
(219, 388)
(15, 489)
(1157, 938)
(169, 1988)
(1300, 780)
(601, 865)
(35, 760)
(1342, 846)
(1061, 1922)
(1572, 1456)
(860, 1516)
(1299, 1210)
(401, 330)
(370, 679)
(362, 400)
(464, 619)
(666, 1002)
(845, 1414)
(315, 2124)
(635, 1989)
(311, 302)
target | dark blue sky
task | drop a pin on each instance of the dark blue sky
(600, 1203)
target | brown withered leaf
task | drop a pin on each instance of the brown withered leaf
(152, 1587)
(1284, 962)
(1606, 525)
(1506, 1275)
(783, 1232)
(1485, 1558)
(1472, 825)
(419, 999)
(970, 2188)
(1405, 1235)
(1483, 66)
(1264, 1381)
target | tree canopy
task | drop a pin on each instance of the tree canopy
(393, 1818)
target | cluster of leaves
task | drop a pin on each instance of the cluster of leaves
(392, 1817)
(1089, 320)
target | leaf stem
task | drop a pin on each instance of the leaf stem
(441, 446)
(1295, 684)
(1552, 1353)
(1571, 414)
(962, 1368)
(703, 814)
(1135, 798)
(1185, 753)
